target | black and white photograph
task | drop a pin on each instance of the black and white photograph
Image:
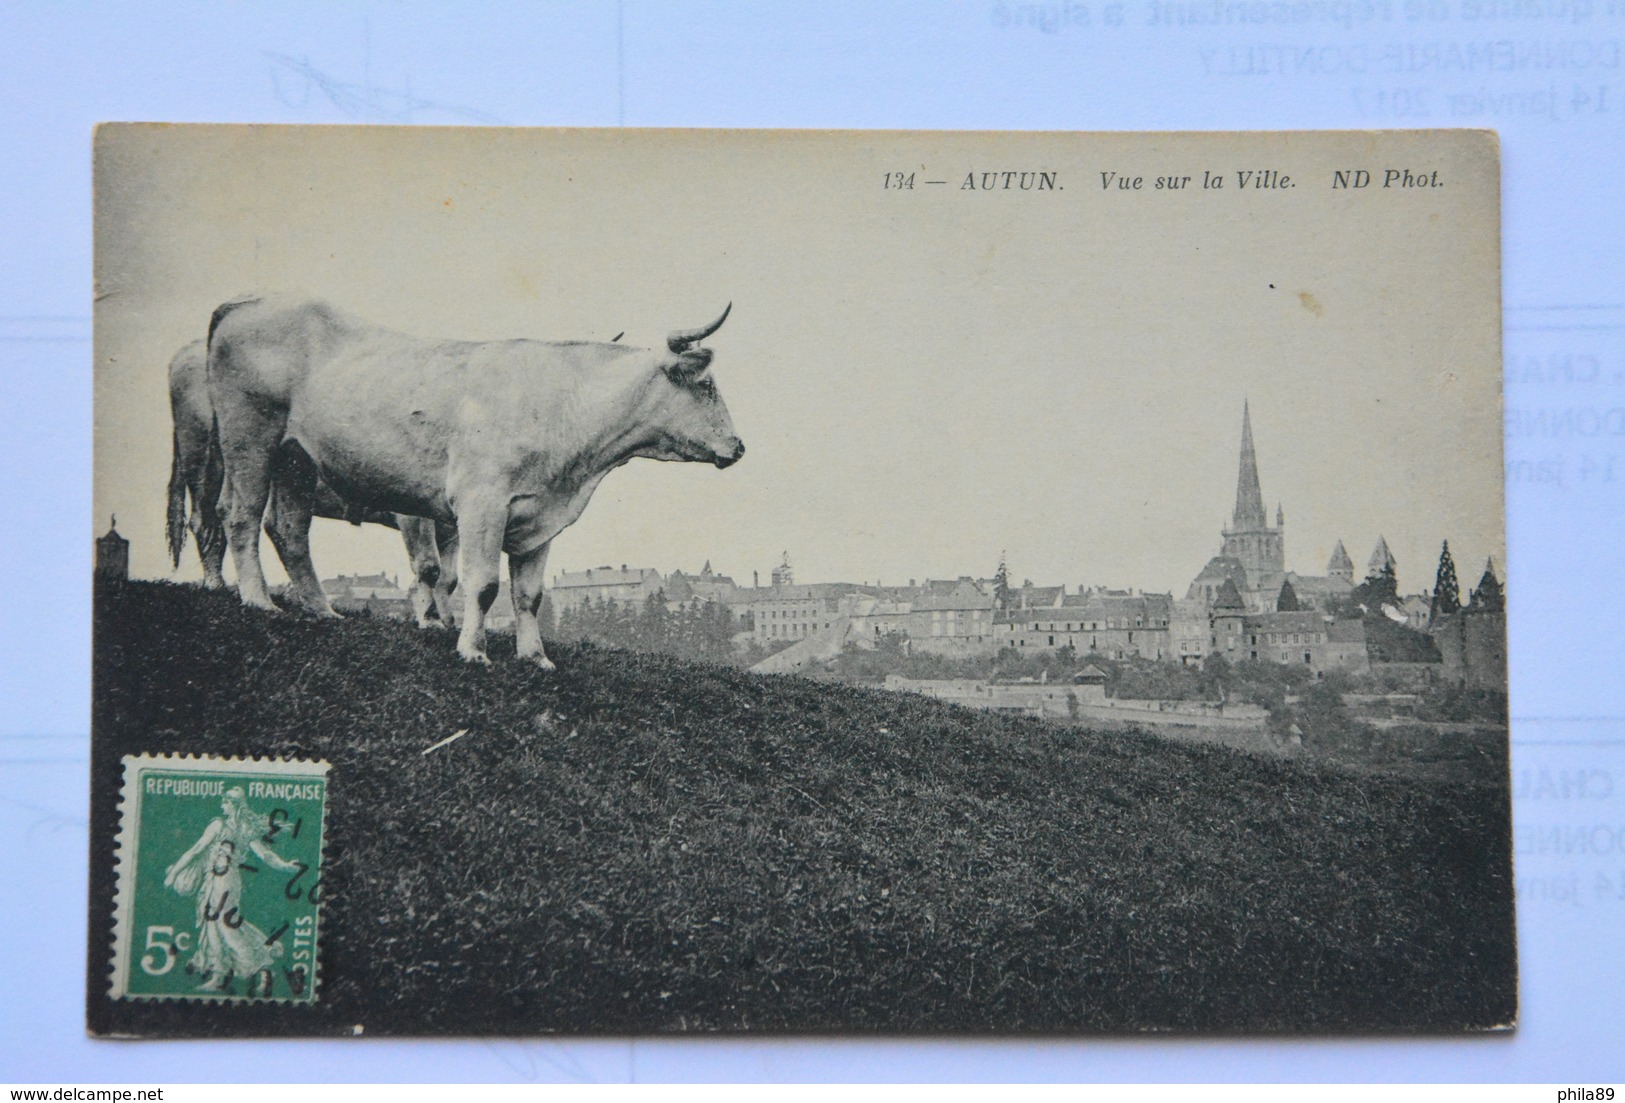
(892, 583)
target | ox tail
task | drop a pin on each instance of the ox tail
(211, 506)
(177, 501)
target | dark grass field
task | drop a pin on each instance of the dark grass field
(635, 845)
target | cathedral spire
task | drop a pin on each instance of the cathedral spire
(1249, 515)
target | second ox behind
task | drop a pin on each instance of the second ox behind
(195, 477)
(507, 440)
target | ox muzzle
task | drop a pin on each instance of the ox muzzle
(731, 457)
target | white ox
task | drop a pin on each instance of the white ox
(507, 440)
(195, 472)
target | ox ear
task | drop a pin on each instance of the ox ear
(688, 365)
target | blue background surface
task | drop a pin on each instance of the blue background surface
(1548, 74)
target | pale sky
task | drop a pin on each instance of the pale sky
(922, 377)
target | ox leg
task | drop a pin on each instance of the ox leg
(210, 536)
(446, 587)
(525, 574)
(288, 525)
(418, 535)
(479, 536)
(198, 471)
(248, 473)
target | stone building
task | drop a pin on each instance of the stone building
(1190, 631)
(377, 595)
(1028, 596)
(952, 618)
(112, 567)
(682, 588)
(708, 583)
(1321, 591)
(1307, 637)
(1418, 610)
(1303, 636)
(791, 612)
(1116, 624)
(1473, 641)
(1228, 615)
(1210, 580)
(876, 615)
(1344, 649)
(624, 586)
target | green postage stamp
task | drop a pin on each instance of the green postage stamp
(219, 878)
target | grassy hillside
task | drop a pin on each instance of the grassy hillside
(634, 844)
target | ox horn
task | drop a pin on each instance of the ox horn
(680, 339)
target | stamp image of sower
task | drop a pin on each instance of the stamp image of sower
(219, 879)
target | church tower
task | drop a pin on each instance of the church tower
(1250, 539)
(782, 574)
(1340, 565)
(1381, 559)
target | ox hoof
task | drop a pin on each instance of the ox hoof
(542, 662)
(432, 625)
(479, 658)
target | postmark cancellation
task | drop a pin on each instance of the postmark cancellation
(219, 878)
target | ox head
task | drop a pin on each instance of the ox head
(694, 422)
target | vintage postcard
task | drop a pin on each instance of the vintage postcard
(617, 581)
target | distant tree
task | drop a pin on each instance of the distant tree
(1446, 590)
(610, 627)
(892, 646)
(1001, 585)
(653, 630)
(1287, 602)
(1389, 642)
(1345, 606)
(1380, 587)
(685, 631)
(1155, 680)
(1322, 716)
(719, 631)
